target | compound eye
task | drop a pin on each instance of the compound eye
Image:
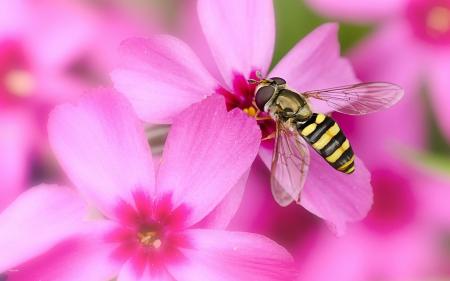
(263, 95)
(279, 81)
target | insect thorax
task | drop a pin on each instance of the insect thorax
(289, 104)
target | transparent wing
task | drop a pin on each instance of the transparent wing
(359, 98)
(289, 165)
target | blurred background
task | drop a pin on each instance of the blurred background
(53, 50)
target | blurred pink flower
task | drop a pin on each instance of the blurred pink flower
(410, 46)
(161, 76)
(16, 137)
(166, 226)
(402, 237)
(49, 52)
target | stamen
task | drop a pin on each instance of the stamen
(19, 82)
(149, 238)
(251, 111)
(438, 19)
(157, 244)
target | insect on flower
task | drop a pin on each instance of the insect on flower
(297, 126)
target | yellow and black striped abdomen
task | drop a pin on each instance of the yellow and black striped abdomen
(325, 136)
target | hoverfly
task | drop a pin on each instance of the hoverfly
(298, 127)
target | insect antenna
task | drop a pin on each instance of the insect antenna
(255, 81)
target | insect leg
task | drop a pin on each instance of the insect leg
(269, 137)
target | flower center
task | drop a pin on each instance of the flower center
(149, 239)
(430, 20)
(242, 96)
(438, 19)
(16, 79)
(148, 232)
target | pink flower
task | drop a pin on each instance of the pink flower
(161, 76)
(410, 46)
(142, 225)
(43, 62)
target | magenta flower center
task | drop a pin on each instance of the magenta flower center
(149, 232)
(430, 20)
(16, 78)
(242, 96)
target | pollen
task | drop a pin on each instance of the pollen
(19, 82)
(149, 239)
(251, 111)
(438, 19)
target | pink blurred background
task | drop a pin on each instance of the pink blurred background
(51, 51)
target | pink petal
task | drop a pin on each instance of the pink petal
(39, 219)
(343, 258)
(266, 153)
(127, 273)
(433, 193)
(257, 202)
(365, 255)
(57, 46)
(16, 138)
(190, 31)
(54, 45)
(207, 151)
(11, 15)
(360, 11)
(241, 34)
(71, 260)
(389, 55)
(221, 216)
(161, 76)
(315, 63)
(102, 147)
(225, 255)
(440, 96)
(334, 196)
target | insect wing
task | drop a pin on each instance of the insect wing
(289, 165)
(359, 99)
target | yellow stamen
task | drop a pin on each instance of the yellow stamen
(438, 19)
(156, 244)
(251, 111)
(19, 82)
